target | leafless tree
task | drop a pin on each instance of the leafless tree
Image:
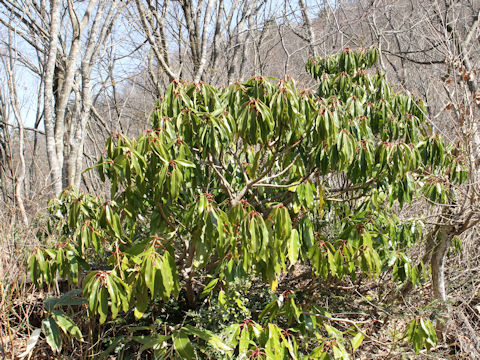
(9, 63)
(68, 39)
(202, 40)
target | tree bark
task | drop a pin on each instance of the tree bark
(20, 177)
(202, 61)
(308, 23)
(55, 169)
(442, 244)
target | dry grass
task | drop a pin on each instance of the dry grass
(20, 304)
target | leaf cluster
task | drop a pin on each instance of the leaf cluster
(249, 180)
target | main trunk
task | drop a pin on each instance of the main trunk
(439, 253)
(55, 167)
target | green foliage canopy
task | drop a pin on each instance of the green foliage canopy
(249, 180)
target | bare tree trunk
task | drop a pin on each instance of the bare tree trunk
(20, 181)
(99, 31)
(55, 168)
(5, 151)
(9, 64)
(67, 85)
(442, 244)
(202, 61)
(308, 23)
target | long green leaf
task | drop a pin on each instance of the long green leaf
(67, 324)
(183, 346)
(52, 334)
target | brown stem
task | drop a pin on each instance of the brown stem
(189, 275)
